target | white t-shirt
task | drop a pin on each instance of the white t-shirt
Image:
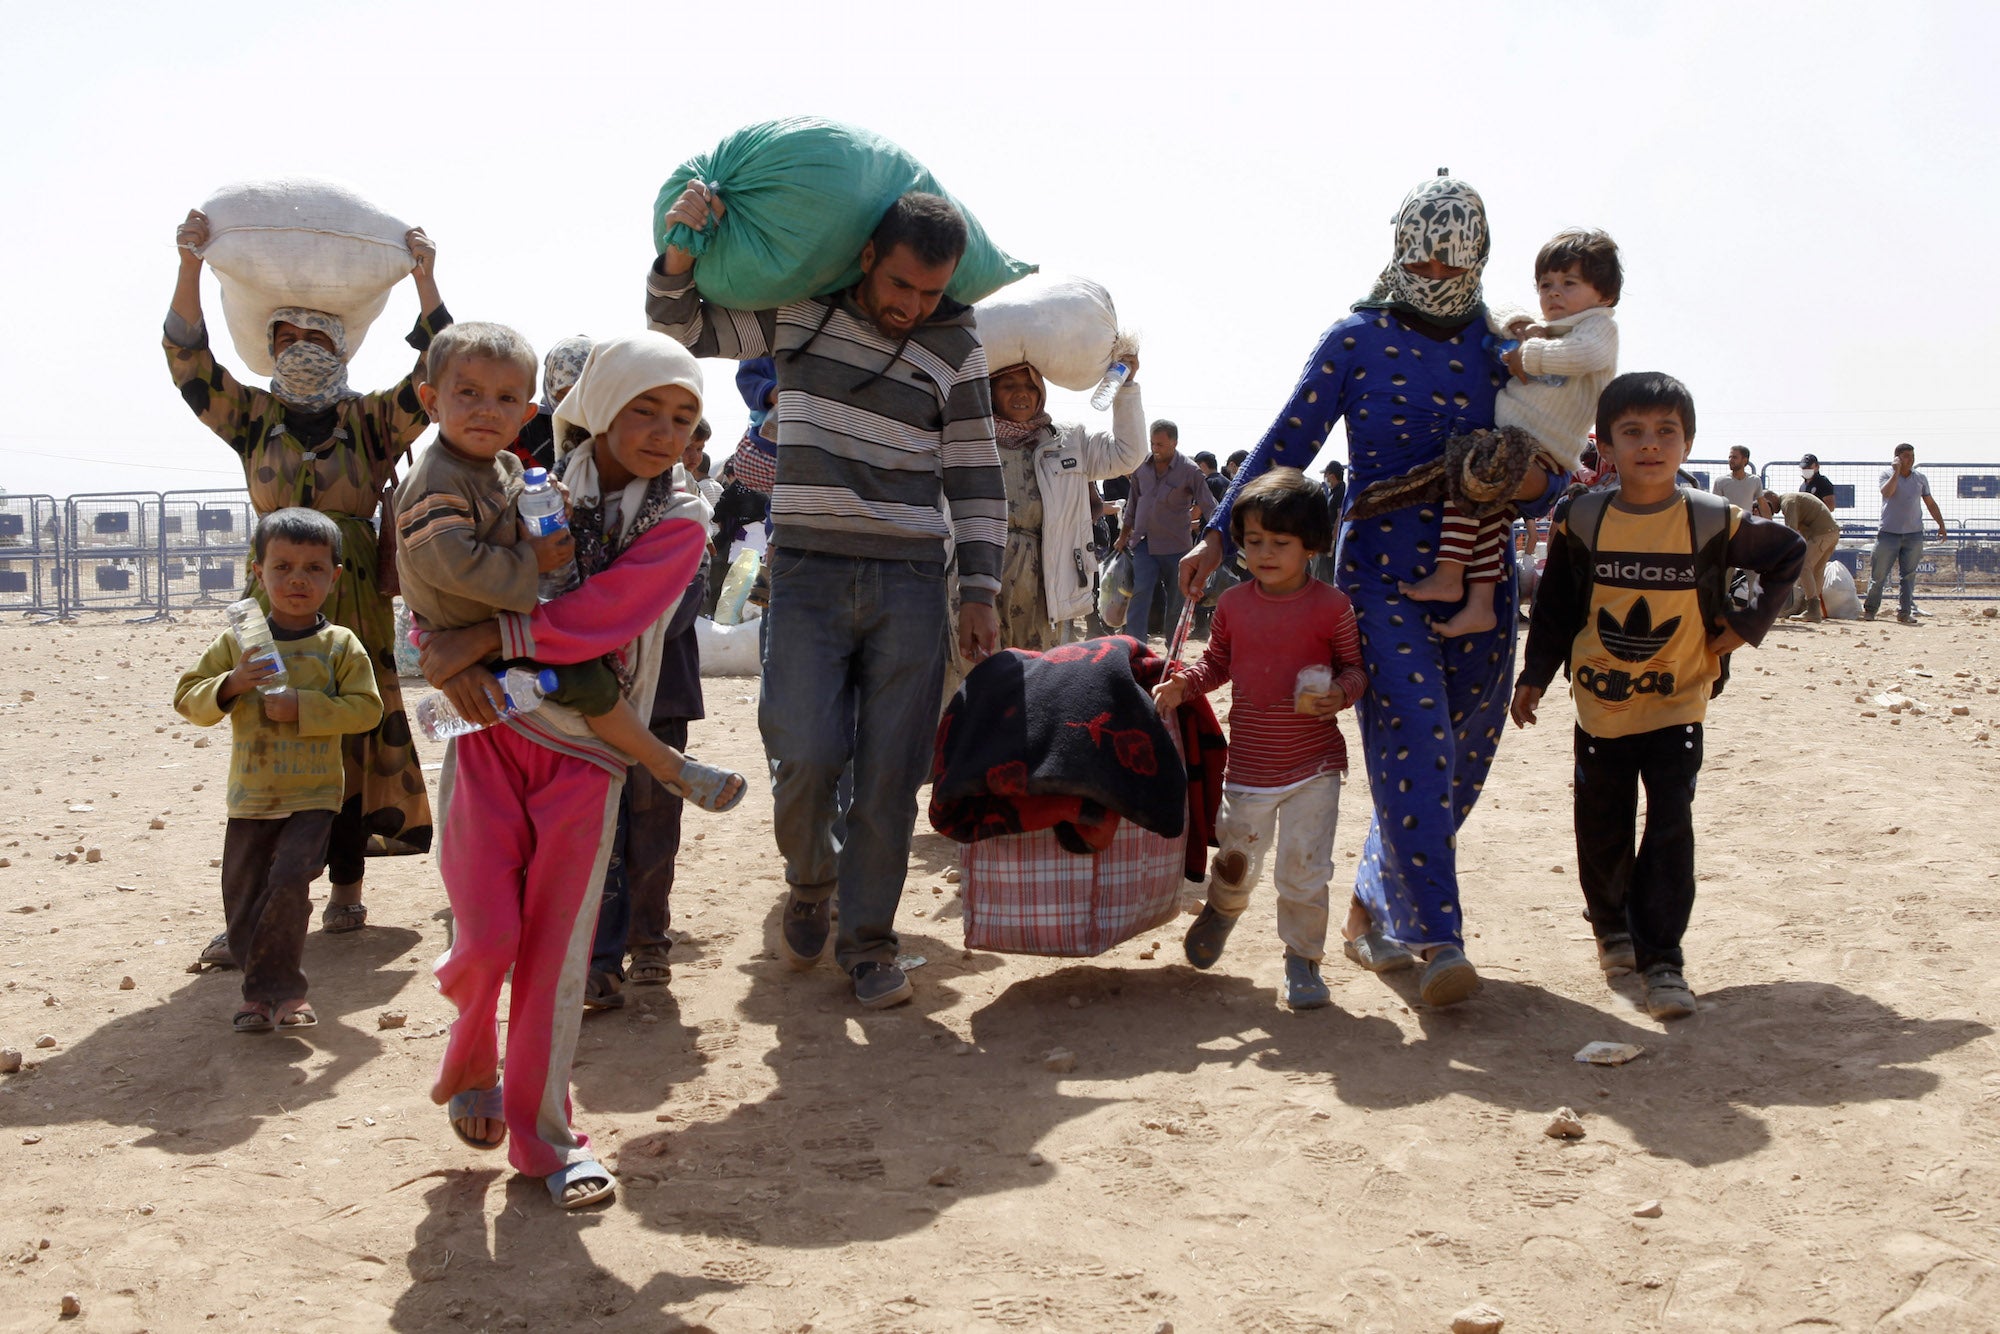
(1741, 492)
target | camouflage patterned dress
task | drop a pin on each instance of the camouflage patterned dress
(341, 474)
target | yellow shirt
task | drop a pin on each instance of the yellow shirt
(276, 769)
(1641, 660)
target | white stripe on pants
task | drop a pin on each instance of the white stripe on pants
(1303, 819)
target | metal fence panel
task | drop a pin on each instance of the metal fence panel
(31, 555)
(111, 545)
(205, 546)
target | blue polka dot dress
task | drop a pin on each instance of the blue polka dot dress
(1435, 707)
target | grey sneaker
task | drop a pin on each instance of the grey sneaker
(879, 985)
(1668, 995)
(1448, 978)
(1304, 988)
(1615, 954)
(806, 932)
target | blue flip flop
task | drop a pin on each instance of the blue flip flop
(477, 1104)
(587, 1170)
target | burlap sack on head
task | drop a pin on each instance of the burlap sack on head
(1065, 327)
(299, 241)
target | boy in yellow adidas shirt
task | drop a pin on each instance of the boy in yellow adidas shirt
(1635, 604)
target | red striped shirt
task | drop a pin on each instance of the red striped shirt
(1260, 643)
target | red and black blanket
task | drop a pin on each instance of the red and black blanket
(1069, 740)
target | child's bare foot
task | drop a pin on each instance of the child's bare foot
(1444, 584)
(1475, 617)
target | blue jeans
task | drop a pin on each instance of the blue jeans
(1148, 571)
(1900, 551)
(853, 668)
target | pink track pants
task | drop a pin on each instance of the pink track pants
(527, 834)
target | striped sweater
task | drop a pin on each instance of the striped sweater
(875, 437)
(1261, 642)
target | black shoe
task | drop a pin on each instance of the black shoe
(806, 931)
(1207, 936)
(215, 954)
(879, 985)
(603, 991)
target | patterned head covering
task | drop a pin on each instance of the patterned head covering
(1442, 219)
(307, 376)
(561, 367)
(1017, 434)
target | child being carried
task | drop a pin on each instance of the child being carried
(462, 555)
(1544, 415)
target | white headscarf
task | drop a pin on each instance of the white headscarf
(617, 371)
(1442, 219)
(307, 376)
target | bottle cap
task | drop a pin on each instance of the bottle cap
(546, 679)
(535, 476)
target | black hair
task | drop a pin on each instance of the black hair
(1643, 389)
(1285, 500)
(1593, 254)
(702, 430)
(1744, 448)
(307, 528)
(1335, 465)
(1237, 458)
(930, 225)
(1173, 431)
(1205, 459)
(1900, 448)
(704, 465)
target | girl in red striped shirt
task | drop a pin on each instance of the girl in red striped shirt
(1289, 644)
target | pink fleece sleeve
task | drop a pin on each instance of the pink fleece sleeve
(614, 605)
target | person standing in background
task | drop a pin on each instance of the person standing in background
(1741, 487)
(1899, 542)
(1334, 485)
(1164, 489)
(1813, 482)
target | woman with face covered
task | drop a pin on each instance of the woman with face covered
(311, 441)
(1406, 372)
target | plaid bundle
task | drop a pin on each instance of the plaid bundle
(1025, 894)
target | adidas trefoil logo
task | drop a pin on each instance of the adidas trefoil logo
(1636, 640)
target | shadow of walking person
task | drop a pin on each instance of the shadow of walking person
(174, 1070)
(536, 1273)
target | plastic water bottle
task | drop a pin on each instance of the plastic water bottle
(439, 719)
(253, 638)
(1107, 388)
(542, 514)
(736, 587)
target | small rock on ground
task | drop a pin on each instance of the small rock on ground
(1059, 1060)
(1479, 1319)
(1650, 1209)
(1565, 1124)
(71, 1307)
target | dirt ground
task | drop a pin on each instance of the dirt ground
(1820, 1138)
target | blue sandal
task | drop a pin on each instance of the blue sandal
(704, 784)
(480, 1105)
(578, 1173)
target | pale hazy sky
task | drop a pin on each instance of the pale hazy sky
(1804, 193)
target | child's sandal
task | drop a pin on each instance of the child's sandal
(297, 1014)
(477, 1105)
(704, 785)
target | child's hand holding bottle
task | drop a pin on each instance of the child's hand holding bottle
(282, 707)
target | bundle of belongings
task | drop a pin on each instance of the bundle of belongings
(1080, 810)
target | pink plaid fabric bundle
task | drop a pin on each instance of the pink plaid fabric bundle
(1025, 894)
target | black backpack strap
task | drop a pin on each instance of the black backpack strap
(1708, 532)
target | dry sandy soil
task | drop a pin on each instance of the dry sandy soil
(1821, 1137)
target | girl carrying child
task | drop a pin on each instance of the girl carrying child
(531, 807)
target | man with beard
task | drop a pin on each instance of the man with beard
(884, 420)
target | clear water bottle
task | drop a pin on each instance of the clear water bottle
(736, 587)
(542, 514)
(439, 719)
(253, 639)
(1107, 388)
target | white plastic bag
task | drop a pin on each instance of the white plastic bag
(1065, 327)
(1843, 600)
(300, 242)
(728, 650)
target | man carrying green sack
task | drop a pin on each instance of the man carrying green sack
(804, 194)
(883, 420)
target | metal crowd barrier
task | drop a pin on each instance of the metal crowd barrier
(157, 553)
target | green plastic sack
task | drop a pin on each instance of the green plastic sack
(801, 197)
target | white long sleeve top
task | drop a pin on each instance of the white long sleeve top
(1583, 351)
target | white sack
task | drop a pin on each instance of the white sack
(1843, 600)
(300, 242)
(727, 650)
(1065, 327)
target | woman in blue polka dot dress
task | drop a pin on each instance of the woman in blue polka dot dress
(1407, 371)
